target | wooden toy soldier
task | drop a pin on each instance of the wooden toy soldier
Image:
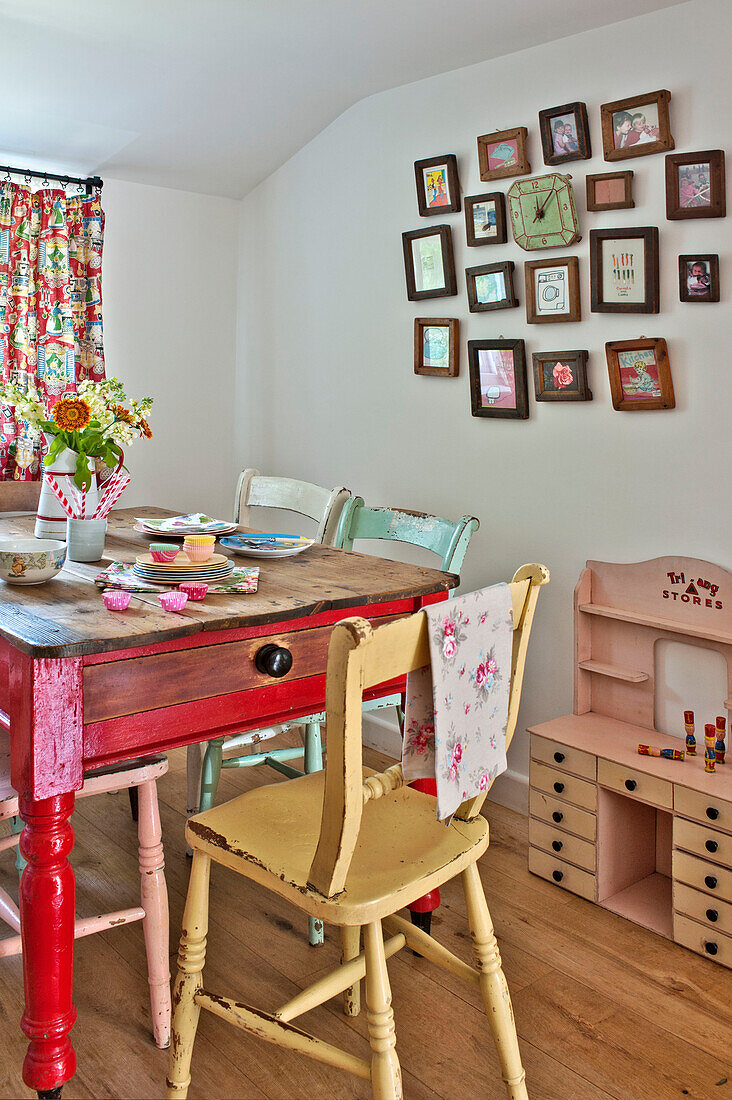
(689, 726)
(719, 743)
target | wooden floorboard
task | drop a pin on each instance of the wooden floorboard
(603, 1008)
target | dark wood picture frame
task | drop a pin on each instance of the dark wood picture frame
(505, 268)
(577, 390)
(453, 184)
(453, 368)
(664, 142)
(621, 401)
(711, 259)
(717, 207)
(582, 127)
(573, 313)
(521, 409)
(449, 286)
(522, 168)
(650, 301)
(626, 203)
(500, 236)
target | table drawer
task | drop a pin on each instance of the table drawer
(551, 839)
(646, 788)
(713, 945)
(704, 842)
(562, 756)
(569, 818)
(716, 915)
(703, 807)
(563, 874)
(709, 877)
(567, 787)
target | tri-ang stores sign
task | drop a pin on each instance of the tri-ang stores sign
(696, 591)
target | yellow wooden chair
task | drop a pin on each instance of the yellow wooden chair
(352, 848)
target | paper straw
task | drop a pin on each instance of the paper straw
(110, 498)
(68, 508)
(117, 478)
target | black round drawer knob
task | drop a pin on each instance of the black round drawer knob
(273, 660)
(711, 882)
(557, 875)
(559, 787)
(557, 845)
(630, 784)
(712, 813)
(710, 947)
(711, 846)
(559, 757)
(712, 915)
(556, 816)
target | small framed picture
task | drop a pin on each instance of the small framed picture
(485, 218)
(565, 133)
(561, 376)
(490, 287)
(636, 127)
(498, 379)
(699, 278)
(624, 270)
(640, 375)
(610, 191)
(437, 346)
(552, 290)
(429, 263)
(695, 185)
(438, 189)
(503, 153)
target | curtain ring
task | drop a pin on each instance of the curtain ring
(27, 177)
(7, 177)
(44, 182)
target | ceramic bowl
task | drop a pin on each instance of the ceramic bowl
(195, 590)
(164, 551)
(116, 599)
(31, 561)
(173, 601)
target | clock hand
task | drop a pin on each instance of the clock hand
(540, 209)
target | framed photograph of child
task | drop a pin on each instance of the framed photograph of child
(624, 270)
(695, 186)
(498, 379)
(610, 191)
(490, 287)
(640, 375)
(429, 263)
(438, 188)
(561, 376)
(437, 346)
(503, 153)
(565, 133)
(485, 218)
(552, 290)
(636, 127)
(699, 278)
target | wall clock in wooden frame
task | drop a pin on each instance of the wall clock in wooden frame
(624, 270)
(429, 264)
(640, 375)
(695, 186)
(565, 133)
(490, 287)
(542, 212)
(561, 376)
(498, 379)
(503, 153)
(438, 187)
(437, 346)
(610, 191)
(485, 218)
(552, 290)
(636, 127)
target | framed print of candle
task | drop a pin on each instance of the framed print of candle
(428, 263)
(485, 219)
(699, 278)
(438, 189)
(552, 290)
(636, 127)
(436, 346)
(624, 270)
(490, 287)
(561, 376)
(503, 153)
(695, 185)
(640, 375)
(498, 379)
(565, 133)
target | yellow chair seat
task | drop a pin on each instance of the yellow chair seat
(270, 835)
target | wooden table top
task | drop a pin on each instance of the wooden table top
(66, 616)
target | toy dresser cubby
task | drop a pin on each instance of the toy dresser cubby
(644, 836)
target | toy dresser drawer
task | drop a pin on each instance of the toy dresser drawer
(704, 842)
(702, 875)
(646, 788)
(703, 807)
(563, 874)
(561, 756)
(568, 787)
(715, 914)
(713, 945)
(552, 840)
(570, 819)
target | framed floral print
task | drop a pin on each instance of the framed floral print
(485, 219)
(695, 186)
(610, 191)
(624, 270)
(503, 153)
(490, 287)
(438, 189)
(640, 375)
(699, 278)
(561, 376)
(552, 290)
(437, 346)
(498, 379)
(565, 133)
(637, 126)
(429, 264)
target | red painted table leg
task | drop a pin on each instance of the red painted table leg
(421, 909)
(47, 907)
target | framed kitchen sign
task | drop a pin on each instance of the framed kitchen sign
(437, 346)
(695, 186)
(438, 189)
(503, 153)
(610, 191)
(624, 270)
(429, 264)
(699, 278)
(498, 379)
(640, 375)
(485, 219)
(490, 287)
(561, 376)
(637, 126)
(565, 133)
(552, 290)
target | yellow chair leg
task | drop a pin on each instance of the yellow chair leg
(386, 1076)
(191, 957)
(493, 987)
(351, 949)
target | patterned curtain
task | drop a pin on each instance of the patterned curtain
(50, 306)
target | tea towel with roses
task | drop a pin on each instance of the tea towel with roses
(457, 709)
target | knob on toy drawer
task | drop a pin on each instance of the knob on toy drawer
(273, 660)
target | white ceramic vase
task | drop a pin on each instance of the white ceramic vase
(51, 518)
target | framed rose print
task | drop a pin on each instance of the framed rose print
(561, 376)
(699, 278)
(640, 375)
(503, 153)
(610, 191)
(498, 379)
(436, 346)
(490, 287)
(438, 189)
(637, 126)
(565, 133)
(429, 264)
(624, 270)
(552, 290)
(695, 186)
(485, 219)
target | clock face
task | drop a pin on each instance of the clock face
(543, 214)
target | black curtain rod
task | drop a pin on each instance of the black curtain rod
(90, 182)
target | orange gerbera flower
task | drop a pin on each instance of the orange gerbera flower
(145, 428)
(71, 414)
(123, 414)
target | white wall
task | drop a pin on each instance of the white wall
(325, 388)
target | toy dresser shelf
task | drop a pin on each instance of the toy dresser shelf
(632, 676)
(647, 902)
(656, 623)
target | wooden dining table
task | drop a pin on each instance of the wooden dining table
(82, 687)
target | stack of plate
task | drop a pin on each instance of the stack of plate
(180, 526)
(216, 568)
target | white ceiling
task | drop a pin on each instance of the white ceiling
(213, 95)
